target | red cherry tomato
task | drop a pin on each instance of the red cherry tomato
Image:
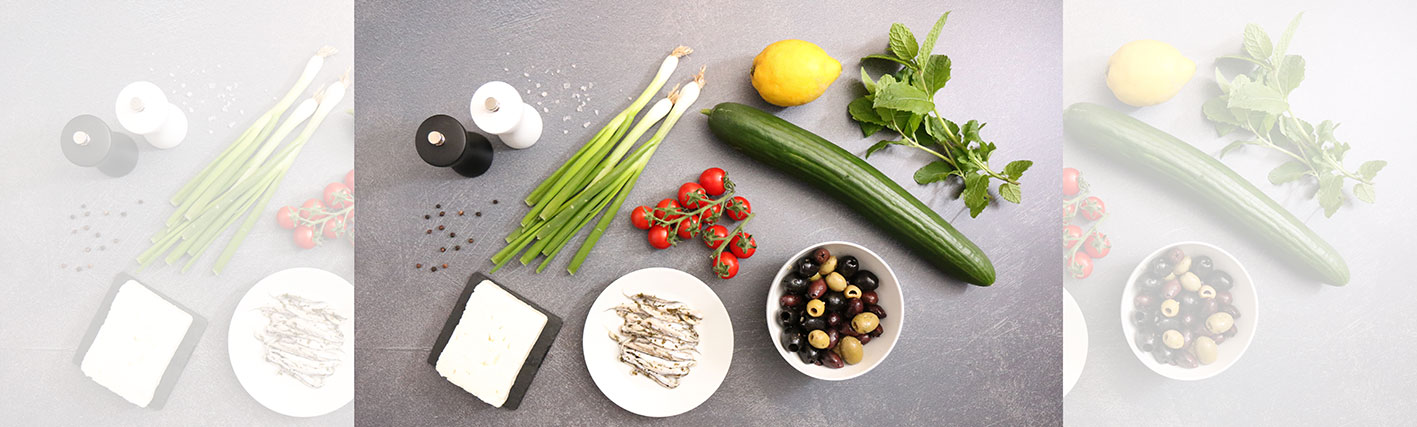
(739, 208)
(286, 217)
(304, 237)
(688, 228)
(334, 227)
(1071, 235)
(1070, 210)
(715, 236)
(1072, 182)
(337, 195)
(1081, 266)
(349, 180)
(711, 215)
(692, 196)
(743, 245)
(641, 218)
(659, 237)
(1092, 208)
(712, 180)
(312, 210)
(726, 266)
(1097, 245)
(667, 210)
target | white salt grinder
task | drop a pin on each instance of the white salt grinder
(143, 109)
(498, 109)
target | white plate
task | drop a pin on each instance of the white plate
(1244, 299)
(636, 393)
(1074, 342)
(280, 393)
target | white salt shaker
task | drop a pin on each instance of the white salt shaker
(498, 109)
(143, 109)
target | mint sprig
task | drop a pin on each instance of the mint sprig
(904, 102)
(1257, 102)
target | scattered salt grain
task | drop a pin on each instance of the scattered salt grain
(585, 125)
(544, 110)
(527, 75)
(565, 85)
(543, 93)
(538, 85)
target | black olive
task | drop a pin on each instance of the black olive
(794, 285)
(806, 267)
(821, 255)
(834, 319)
(1140, 317)
(1190, 303)
(1167, 323)
(1189, 320)
(790, 300)
(1148, 284)
(788, 320)
(867, 281)
(812, 323)
(835, 301)
(1146, 342)
(1220, 280)
(1143, 301)
(848, 266)
(1161, 354)
(1202, 265)
(1160, 267)
(809, 355)
(816, 289)
(792, 340)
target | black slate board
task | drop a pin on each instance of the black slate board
(179, 357)
(533, 359)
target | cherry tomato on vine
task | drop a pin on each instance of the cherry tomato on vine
(739, 208)
(711, 215)
(286, 217)
(310, 211)
(1097, 245)
(715, 236)
(659, 237)
(333, 227)
(688, 227)
(304, 237)
(743, 245)
(726, 266)
(337, 195)
(1081, 267)
(667, 210)
(1092, 208)
(1071, 235)
(1072, 182)
(640, 217)
(712, 180)
(1070, 210)
(692, 196)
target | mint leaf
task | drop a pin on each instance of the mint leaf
(862, 111)
(868, 129)
(1219, 80)
(903, 97)
(869, 83)
(907, 64)
(880, 146)
(1330, 193)
(1011, 192)
(970, 131)
(937, 72)
(1257, 97)
(1289, 171)
(1326, 129)
(1365, 192)
(1283, 46)
(1234, 146)
(1257, 43)
(1015, 169)
(976, 193)
(929, 46)
(1370, 169)
(935, 127)
(1291, 72)
(934, 171)
(1215, 109)
(903, 43)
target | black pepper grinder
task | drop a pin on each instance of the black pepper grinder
(88, 142)
(443, 142)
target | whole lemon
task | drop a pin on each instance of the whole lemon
(793, 72)
(1147, 72)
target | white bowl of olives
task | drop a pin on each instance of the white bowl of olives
(1189, 311)
(835, 310)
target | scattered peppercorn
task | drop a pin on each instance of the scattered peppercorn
(427, 216)
(440, 228)
(459, 213)
(469, 240)
(457, 247)
(477, 213)
(435, 269)
(418, 266)
(430, 231)
(442, 213)
(445, 266)
(452, 234)
(494, 201)
(438, 206)
(442, 249)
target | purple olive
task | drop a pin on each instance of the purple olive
(870, 297)
(845, 329)
(820, 255)
(1234, 329)
(790, 300)
(878, 331)
(855, 307)
(1169, 289)
(877, 310)
(1175, 255)
(832, 360)
(816, 289)
(1224, 298)
(1142, 301)
(833, 319)
(1210, 306)
(1218, 338)
(832, 337)
(1234, 312)
(1186, 360)
(864, 339)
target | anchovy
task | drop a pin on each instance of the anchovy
(303, 339)
(658, 338)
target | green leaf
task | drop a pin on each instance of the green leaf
(1289, 171)
(1326, 129)
(903, 43)
(1015, 169)
(1220, 80)
(937, 73)
(861, 111)
(903, 97)
(1261, 64)
(934, 171)
(1291, 72)
(1330, 193)
(907, 64)
(1257, 97)
(935, 127)
(912, 124)
(880, 146)
(929, 46)
(868, 129)
(1011, 192)
(1215, 109)
(868, 82)
(1365, 192)
(1369, 169)
(1283, 46)
(970, 131)
(1234, 146)
(1257, 43)
(976, 193)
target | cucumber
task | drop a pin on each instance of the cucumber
(860, 186)
(1131, 140)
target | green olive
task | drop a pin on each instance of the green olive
(816, 307)
(1219, 322)
(836, 282)
(1190, 282)
(1183, 266)
(1172, 338)
(1206, 291)
(865, 322)
(827, 267)
(849, 348)
(1205, 350)
(852, 291)
(1169, 277)
(818, 339)
(1169, 308)
(815, 277)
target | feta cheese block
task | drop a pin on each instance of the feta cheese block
(491, 343)
(135, 343)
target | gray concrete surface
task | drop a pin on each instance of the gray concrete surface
(968, 355)
(227, 63)
(1321, 355)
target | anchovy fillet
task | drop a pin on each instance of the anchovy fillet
(658, 338)
(303, 339)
